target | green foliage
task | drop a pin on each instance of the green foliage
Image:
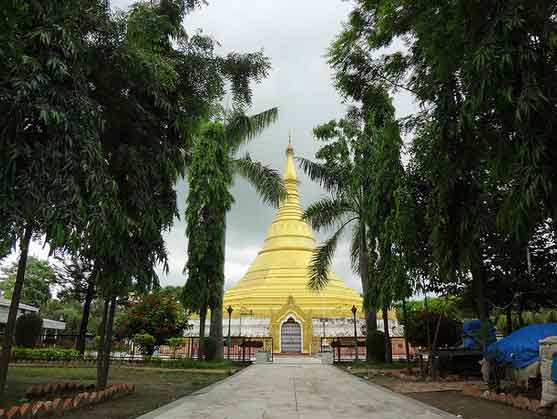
(40, 276)
(49, 354)
(52, 166)
(212, 167)
(146, 342)
(74, 276)
(157, 315)
(450, 305)
(68, 311)
(375, 345)
(189, 363)
(28, 329)
(175, 343)
(209, 348)
(479, 182)
(342, 168)
(420, 323)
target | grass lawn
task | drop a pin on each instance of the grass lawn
(154, 387)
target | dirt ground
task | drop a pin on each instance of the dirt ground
(447, 396)
(154, 387)
(470, 407)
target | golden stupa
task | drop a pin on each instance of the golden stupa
(275, 285)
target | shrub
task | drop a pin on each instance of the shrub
(375, 345)
(189, 363)
(49, 354)
(158, 314)
(210, 348)
(28, 328)
(175, 343)
(419, 322)
(146, 342)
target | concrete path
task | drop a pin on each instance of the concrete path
(295, 391)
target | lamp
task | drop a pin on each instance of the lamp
(354, 310)
(229, 310)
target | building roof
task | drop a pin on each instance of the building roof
(280, 269)
(47, 323)
(24, 307)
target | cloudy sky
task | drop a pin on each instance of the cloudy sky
(295, 35)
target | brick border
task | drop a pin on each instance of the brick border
(60, 406)
(519, 402)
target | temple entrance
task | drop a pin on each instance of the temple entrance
(290, 336)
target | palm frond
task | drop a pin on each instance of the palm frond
(326, 213)
(242, 128)
(266, 181)
(320, 263)
(321, 174)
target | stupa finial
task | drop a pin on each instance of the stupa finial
(289, 148)
(290, 171)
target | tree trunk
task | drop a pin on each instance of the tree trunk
(82, 338)
(14, 307)
(217, 311)
(432, 358)
(202, 319)
(101, 345)
(406, 346)
(478, 284)
(509, 315)
(388, 347)
(216, 330)
(370, 310)
(427, 327)
(521, 322)
(107, 344)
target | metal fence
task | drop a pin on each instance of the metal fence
(348, 349)
(241, 348)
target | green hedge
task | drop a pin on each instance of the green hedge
(48, 354)
(188, 363)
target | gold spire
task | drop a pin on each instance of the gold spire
(280, 269)
(290, 170)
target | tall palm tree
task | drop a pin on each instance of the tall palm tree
(214, 164)
(342, 170)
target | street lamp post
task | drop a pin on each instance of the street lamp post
(229, 310)
(354, 310)
(323, 322)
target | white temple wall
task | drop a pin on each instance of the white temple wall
(259, 327)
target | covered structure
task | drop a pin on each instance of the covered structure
(49, 326)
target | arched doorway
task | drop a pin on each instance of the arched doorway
(290, 336)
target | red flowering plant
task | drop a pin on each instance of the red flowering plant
(157, 314)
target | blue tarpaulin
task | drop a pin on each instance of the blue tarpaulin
(471, 334)
(521, 348)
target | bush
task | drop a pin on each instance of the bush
(49, 354)
(189, 363)
(419, 322)
(146, 342)
(210, 348)
(28, 328)
(375, 345)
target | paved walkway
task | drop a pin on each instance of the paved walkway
(295, 390)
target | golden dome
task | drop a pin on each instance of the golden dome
(280, 269)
